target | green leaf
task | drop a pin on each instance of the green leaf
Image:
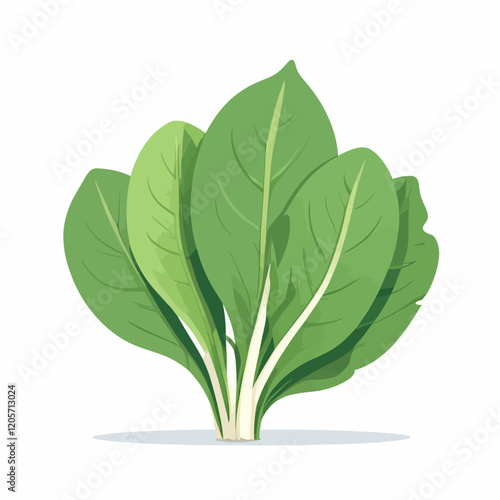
(343, 226)
(407, 281)
(159, 227)
(257, 152)
(106, 275)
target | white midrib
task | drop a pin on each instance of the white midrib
(289, 336)
(246, 407)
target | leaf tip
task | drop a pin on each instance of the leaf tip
(290, 67)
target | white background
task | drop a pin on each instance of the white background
(438, 386)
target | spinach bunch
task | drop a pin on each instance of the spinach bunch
(318, 259)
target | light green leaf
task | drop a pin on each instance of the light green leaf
(159, 227)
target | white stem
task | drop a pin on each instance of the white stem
(245, 420)
(226, 424)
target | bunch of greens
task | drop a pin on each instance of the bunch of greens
(318, 259)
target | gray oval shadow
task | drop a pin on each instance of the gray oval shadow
(268, 437)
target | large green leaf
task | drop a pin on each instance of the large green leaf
(159, 227)
(407, 281)
(106, 275)
(255, 155)
(341, 231)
